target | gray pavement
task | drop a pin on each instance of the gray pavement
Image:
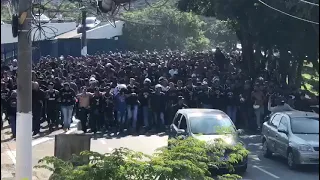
(259, 168)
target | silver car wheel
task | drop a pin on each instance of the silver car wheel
(265, 149)
(291, 160)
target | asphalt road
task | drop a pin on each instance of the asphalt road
(259, 168)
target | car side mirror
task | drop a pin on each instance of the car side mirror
(240, 131)
(181, 131)
(283, 131)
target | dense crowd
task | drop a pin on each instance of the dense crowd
(127, 90)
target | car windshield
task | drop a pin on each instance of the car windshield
(305, 125)
(89, 21)
(210, 125)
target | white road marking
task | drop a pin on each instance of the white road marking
(254, 157)
(267, 172)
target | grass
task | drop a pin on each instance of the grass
(310, 78)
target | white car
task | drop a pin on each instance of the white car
(91, 22)
(41, 18)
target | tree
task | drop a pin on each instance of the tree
(161, 28)
(188, 158)
(262, 29)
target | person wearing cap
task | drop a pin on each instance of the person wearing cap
(96, 121)
(67, 101)
(108, 108)
(132, 103)
(121, 108)
(38, 98)
(205, 96)
(158, 106)
(5, 93)
(179, 105)
(12, 111)
(52, 96)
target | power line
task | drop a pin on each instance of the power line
(306, 20)
(307, 2)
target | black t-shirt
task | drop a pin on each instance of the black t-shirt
(67, 97)
(145, 96)
(172, 95)
(132, 95)
(158, 102)
(52, 98)
(206, 96)
(96, 104)
(5, 93)
(12, 107)
(108, 103)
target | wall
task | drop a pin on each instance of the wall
(59, 28)
(102, 32)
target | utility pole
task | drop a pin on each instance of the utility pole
(84, 32)
(24, 92)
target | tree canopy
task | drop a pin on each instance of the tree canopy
(262, 29)
(164, 28)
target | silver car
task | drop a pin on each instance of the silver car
(204, 124)
(293, 135)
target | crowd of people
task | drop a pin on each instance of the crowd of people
(128, 90)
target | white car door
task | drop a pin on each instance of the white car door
(272, 132)
(282, 139)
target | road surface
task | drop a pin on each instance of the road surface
(259, 168)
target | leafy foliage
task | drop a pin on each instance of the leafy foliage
(260, 28)
(189, 158)
(164, 28)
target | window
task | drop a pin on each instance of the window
(211, 125)
(183, 123)
(276, 120)
(305, 125)
(176, 119)
(283, 123)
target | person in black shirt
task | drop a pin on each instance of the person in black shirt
(145, 98)
(108, 109)
(96, 107)
(52, 96)
(38, 98)
(158, 106)
(5, 93)
(205, 96)
(132, 103)
(179, 105)
(12, 111)
(67, 99)
(232, 105)
(189, 94)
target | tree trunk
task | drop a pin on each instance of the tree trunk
(247, 52)
(299, 71)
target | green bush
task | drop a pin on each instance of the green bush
(185, 159)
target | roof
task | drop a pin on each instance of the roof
(297, 114)
(199, 112)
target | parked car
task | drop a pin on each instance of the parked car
(91, 22)
(204, 124)
(293, 135)
(41, 18)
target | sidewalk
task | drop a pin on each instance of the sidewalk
(43, 146)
